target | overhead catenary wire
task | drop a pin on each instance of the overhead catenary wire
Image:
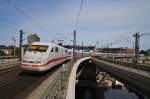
(36, 11)
(120, 41)
(27, 16)
(78, 15)
(75, 27)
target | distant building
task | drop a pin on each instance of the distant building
(6, 50)
(85, 48)
(33, 38)
(116, 50)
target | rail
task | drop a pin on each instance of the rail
(8, 69)
(8, 57)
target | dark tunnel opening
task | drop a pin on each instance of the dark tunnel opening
(93, 82)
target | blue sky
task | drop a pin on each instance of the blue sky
(105, 21)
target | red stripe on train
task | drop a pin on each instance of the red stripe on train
(50, 61)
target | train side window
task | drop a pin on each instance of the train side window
(52, 50)
(66, 51)
(56, 49)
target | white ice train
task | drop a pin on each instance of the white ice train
(41, 56)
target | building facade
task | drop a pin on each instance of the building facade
(84, 48)
(117, 50)
(4, 50)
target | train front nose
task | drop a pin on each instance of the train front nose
(33, 60)
(33, 57)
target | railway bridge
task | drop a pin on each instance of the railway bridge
(85, 78)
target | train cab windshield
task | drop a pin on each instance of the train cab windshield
(38, 48)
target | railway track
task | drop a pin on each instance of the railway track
(17, 85)
(5, 70)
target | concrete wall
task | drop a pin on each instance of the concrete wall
(72, 79)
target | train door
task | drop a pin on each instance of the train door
(53, 53)
(57, 51)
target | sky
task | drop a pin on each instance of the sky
(101, 22)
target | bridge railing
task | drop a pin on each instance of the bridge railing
(6, 62)
(132, 65)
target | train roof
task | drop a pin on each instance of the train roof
(41, 43)
(46, 43)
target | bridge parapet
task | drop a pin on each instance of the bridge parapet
(142, 67)
(72, 80)
(6, 62)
